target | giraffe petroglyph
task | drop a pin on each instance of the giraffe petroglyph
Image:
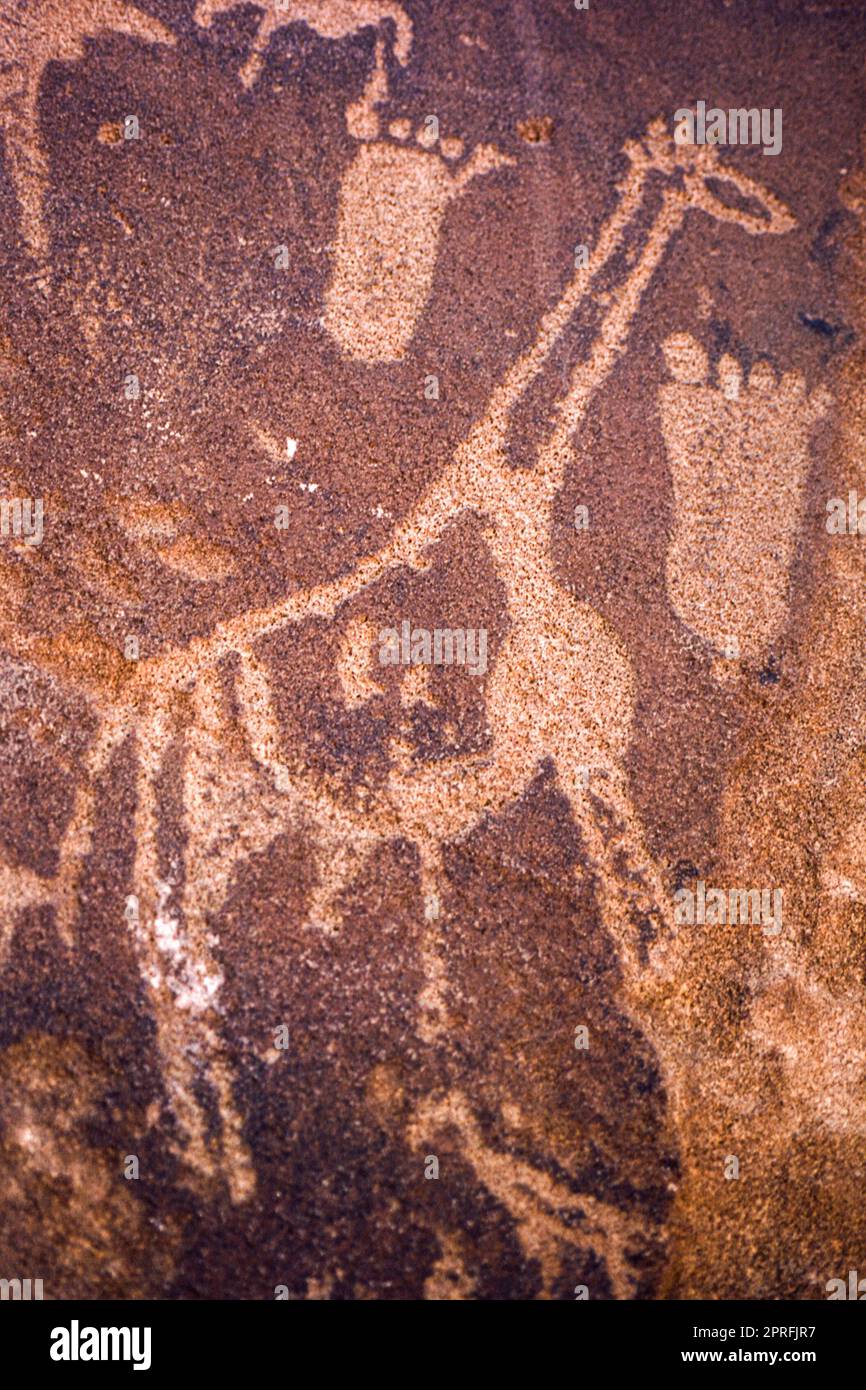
(568, 697)
(562, 687)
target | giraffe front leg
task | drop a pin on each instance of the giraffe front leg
(432, 1010)
(341, 848)
(78, 837)
(630, 889)
(183, 1037)
(339, 862)
(207, 877)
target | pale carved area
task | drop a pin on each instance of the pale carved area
(383, 265)
(561, 687)
(738, 450)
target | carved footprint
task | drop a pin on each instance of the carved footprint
(392, 201)
(738, 453)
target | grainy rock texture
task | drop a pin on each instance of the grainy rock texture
(421, 589)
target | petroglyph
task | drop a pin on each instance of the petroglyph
(550, 1219)
(790, 1090)
(384, 264)
(561, 688)
(739, 455)
(333, 19)
(419, 872)
(383, 267)
(31, 37)
(383, 271)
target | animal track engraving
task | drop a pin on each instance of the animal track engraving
(739, 454)
(384, 266)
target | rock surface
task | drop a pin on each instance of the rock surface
(327, 968)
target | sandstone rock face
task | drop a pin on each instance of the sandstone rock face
(424, 652)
